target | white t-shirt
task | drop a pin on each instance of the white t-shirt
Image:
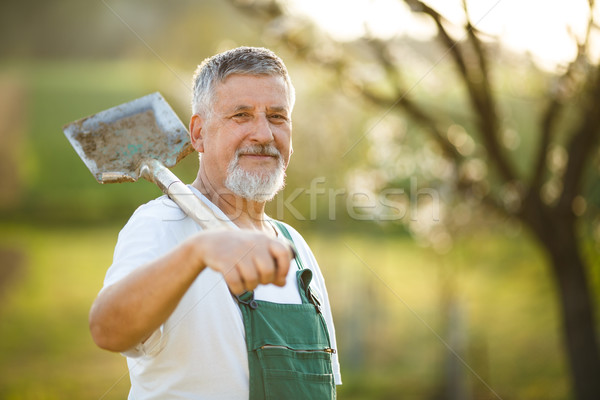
(200, 350)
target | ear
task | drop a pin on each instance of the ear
(196, 133)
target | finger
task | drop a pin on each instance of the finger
(265, 267)
(234, 282)
(248, 274)
(282, 254)
(289, 247)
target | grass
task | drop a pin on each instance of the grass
(46, 350)
(390, 300)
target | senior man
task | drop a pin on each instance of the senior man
(223, 314)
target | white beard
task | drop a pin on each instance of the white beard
(260, 186)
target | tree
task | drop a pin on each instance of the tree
(549, 196)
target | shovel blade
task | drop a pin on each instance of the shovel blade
(113, 143)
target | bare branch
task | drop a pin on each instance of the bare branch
(431, 126)
(558, 97)
(380, 50)
(478, 87)
(548, 124)
(418, 115)
(473, 38)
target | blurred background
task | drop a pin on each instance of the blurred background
(445, 173)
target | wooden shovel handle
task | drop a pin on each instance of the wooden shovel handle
(154, 171)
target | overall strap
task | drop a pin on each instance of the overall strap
(287, 235)
(305, 277)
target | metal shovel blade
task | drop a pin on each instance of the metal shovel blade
(113, 143)
(141, 138)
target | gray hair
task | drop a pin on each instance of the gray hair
(241, 60)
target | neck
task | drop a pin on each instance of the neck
(246, 214)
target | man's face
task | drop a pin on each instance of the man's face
(247, 138)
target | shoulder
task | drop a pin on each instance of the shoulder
(157, 221)
(161, 208)
(152, 220)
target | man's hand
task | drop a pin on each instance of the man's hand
(246, 259)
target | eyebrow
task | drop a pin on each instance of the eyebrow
(242, 107)
(278, 109)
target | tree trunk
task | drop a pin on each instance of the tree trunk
(557, 235)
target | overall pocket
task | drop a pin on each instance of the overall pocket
(296, 374)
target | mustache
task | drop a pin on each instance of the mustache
(259, 150)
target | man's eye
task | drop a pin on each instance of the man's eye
(278, 117)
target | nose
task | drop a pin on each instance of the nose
(262, 132)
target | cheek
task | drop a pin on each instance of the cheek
(218, 153)
(287, 150)
(225, 143)
(283, 136)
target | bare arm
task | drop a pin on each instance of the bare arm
(127, 312)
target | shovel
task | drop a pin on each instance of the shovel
(141, 138)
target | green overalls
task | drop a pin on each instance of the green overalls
(289, 351)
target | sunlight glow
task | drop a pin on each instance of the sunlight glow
(547, 30)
